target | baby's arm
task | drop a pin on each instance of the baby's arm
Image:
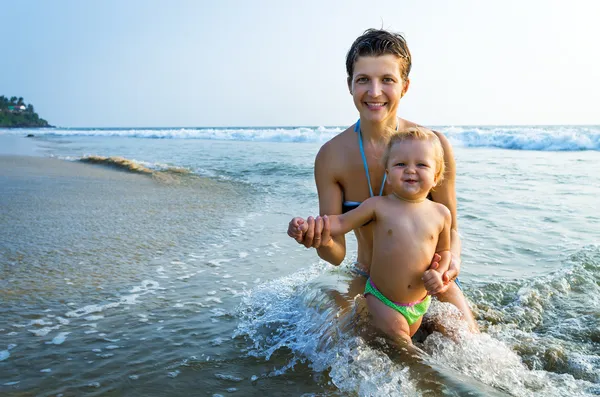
(342, 224)
(433, 278)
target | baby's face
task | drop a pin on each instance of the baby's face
(411, 168)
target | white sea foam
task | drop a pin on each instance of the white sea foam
(218, 312)
(59, 339)
(297, 134)
(551, 138)
(173, 374)
(229, 377)
(40, 322)
(217, 262)
(291, 314)
(146, 287)
(43, 331)
(213, 299)
(507, 137)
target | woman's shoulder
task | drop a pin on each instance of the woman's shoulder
(338, 145)
(446, 145)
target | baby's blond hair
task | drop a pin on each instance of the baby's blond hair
(419, 134)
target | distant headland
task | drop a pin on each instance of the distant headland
(14, 113)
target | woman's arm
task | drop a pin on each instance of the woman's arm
(317, 231)
(443, 247)
(445, 193)
(332, 250)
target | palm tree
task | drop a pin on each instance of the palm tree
(20, 101)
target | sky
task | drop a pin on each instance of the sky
(145, 63)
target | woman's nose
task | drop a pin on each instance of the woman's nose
(375, 89)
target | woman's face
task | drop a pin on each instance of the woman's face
(377, 87)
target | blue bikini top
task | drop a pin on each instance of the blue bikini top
(350, 205)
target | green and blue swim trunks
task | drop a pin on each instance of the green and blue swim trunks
(412, 312)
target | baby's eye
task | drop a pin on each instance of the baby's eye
(400, 164)
(423, 165)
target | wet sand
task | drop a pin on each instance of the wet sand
(25, 167)
(61, 219)
(89, 252)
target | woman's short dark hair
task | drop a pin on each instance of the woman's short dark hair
(377, 42)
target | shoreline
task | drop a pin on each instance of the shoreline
(20, 166)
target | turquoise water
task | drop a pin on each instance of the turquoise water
(194, 285)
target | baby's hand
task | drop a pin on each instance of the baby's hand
(296, 229)
(433, 281)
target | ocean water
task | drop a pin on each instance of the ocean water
(172, 274)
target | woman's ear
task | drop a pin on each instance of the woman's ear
(405, 87)
(349, 81)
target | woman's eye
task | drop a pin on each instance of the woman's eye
(361, 80)
(388, 80)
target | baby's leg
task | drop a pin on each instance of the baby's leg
(391, 322)
(455, 296)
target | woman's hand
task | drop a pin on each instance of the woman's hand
(312, 232)
(449, 275)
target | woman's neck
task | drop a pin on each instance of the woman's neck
(378, 131)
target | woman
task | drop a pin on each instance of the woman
(348, 168)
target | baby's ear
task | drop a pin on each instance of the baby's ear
(436, 179)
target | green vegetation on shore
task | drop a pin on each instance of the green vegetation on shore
(14, 113)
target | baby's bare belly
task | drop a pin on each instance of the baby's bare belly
(399, 281)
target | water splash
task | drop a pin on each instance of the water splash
(292, 320)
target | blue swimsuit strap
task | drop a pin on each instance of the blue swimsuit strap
(364, 158)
